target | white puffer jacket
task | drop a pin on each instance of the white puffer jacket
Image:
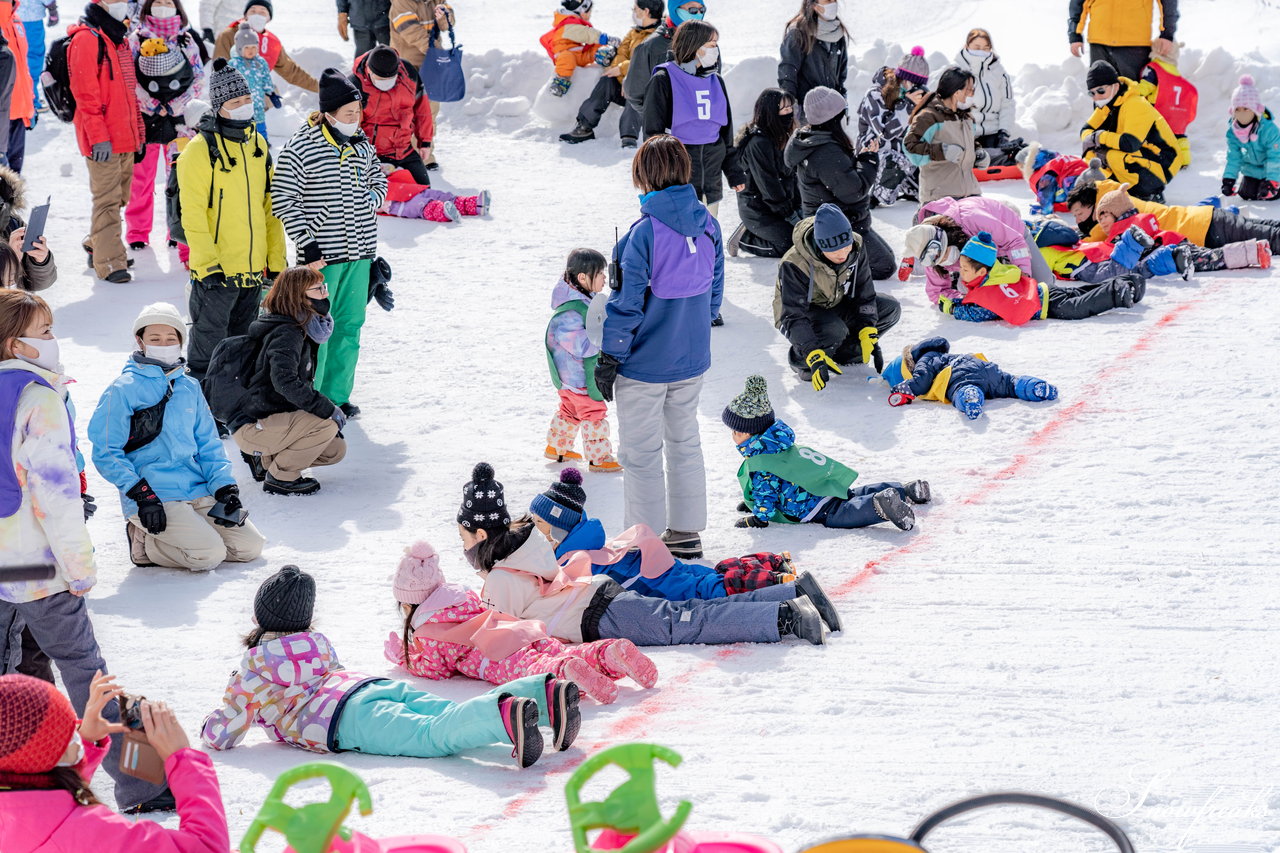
(515, 586)
(993, 106)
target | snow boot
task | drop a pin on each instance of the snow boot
(597, 448)
(682, 545)
(300, 486)
(798, 617)
(628, 142)
(1137, 286)
(581, 133)
(605, 54)
(918, 491)
(1034, 390)
(969, 401)
(625, 660)
(560, 86)
(808, 586)
(562, 710)
(890, 506)
(1247, 253)
(562, 435)
(255, 466)
(735, 239)
(1184, 260)
(520, 719)
(591, 681)
(473, 205)
(441, 211)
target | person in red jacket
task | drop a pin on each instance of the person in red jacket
(22, 105)
(397, 112)
(108, 126)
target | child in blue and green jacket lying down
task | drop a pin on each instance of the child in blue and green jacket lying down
(787, 483)
(930, 371)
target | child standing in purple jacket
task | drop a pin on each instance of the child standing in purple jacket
(572, 352)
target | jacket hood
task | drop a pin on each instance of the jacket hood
(928, 345)
(268, 323)
(13, 188)
(803, 143)
(535, 556)
(315, 663)
(588, 535)
(677, 208)
(776, 439)
(33, 818)
(153, 371)
(563, 293)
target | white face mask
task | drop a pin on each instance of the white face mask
(965, 104)
(257, 23)
(346, 128)
(47, 355)
(77, 754)
(163, 11)
(244, 112)
(636, 19)
(164, 355)
(119, 11)
(384, 84)
(707, 56)
(979, 54)
(830, 12)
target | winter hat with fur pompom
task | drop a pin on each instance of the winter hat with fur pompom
(484, 506)
(1246, 96)
(564, 504)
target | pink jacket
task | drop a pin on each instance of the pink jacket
(52, 822)
(293, 686)
(974, 214)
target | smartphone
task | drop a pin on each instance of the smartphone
(35, 225)
(30, 572)
(219, 512)
(138, 757)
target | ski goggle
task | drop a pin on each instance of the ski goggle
(937, 253)
(891, 844)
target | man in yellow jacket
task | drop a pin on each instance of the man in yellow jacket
(1134, 142)
(1119, 31)
(237, 245)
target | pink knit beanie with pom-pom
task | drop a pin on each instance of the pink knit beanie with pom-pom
(1246, 95)
(418, 574)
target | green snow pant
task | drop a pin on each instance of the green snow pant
(392, 718)
(348, 295)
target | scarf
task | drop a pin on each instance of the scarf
(166, 28)
(829, 31)
(1245, 133)
(95, 16)
(320, 327)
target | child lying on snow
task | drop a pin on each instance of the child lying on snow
(784, 482)
(414, 201)
(1132, 252)
(930, 371)
(448, 630)
(647, 566)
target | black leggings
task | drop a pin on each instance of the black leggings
(1227, 227)
(412, 162)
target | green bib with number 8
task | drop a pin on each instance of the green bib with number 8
(815, 472)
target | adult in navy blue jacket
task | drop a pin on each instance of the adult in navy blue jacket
(657, 345)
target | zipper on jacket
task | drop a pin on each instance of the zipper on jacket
(217, 225)
(248, 195)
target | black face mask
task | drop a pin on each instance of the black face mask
(321, 306)
(233, 129)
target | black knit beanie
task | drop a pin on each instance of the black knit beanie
(483, 503)
(384, 62)
(1101, 73)
(286, 601)
(564, 504)
(337, 90)
(270, 9)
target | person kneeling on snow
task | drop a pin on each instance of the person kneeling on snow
(396, 115)
(1134, 141)
(930, 371)
(790, 484)
(155, 440)
(1253, 147)
(573, 43)
(641, 562)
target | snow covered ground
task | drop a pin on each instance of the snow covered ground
(1087, 609)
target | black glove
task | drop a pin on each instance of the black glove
(1228, 186)
(750, 521)
(1129, 143)
(150, 508)
(878, 358)
(229, 497)
(89, 506)
(384, 297)
(606, 374)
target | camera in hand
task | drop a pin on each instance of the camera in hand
(137, 756)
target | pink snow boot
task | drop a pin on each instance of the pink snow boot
(520, 719)
(474, 205)
(593, 682)
(626, 660)
(441, 211)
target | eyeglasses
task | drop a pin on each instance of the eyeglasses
(322, 287)
(1099, 90)
(695, 9)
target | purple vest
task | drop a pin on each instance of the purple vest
(699, 108)
(681, 266)
(12, 384)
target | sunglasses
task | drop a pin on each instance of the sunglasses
(695, 10)
(1099, 90)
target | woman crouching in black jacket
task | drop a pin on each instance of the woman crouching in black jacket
(287, 425)
(770, 205)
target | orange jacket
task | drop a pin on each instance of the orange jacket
(569, 32)
(23, 103)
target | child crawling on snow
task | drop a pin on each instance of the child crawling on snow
(573, 43)
(930, 371)
(448, 630)
(787, 483)
(414, 201)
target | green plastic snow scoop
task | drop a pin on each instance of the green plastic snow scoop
(632, 807)
(310, 828)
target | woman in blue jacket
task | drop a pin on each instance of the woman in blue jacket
(657, 345)
(169, 484)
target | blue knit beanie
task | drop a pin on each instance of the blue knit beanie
(981, 248)
(831, 229)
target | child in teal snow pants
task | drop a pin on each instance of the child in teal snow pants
(291, 684)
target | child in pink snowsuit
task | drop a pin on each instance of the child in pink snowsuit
(409, 200)
(448, 630)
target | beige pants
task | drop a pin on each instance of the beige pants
(109, 182)
(290, 442)
(431, 146)
(192, 541)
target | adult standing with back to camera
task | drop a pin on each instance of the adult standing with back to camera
(413, 23)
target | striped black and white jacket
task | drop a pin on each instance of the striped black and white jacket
(327, 195)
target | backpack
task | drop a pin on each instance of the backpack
(55, 80)
(226, 382)
(173, 195)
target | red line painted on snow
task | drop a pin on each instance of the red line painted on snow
(658, 701)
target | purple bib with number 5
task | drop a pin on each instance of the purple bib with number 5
(699, 108)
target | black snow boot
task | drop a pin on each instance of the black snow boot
(918, 491)
(808, 585)
(800, 618)
(581, 133)
(254, 462)
(890, 506)
(685, 546)
(1184, 260)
